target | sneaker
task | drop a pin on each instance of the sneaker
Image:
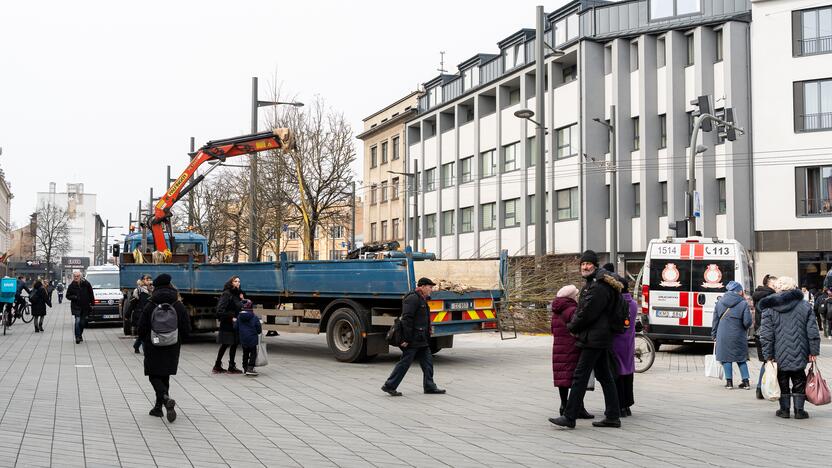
(170, 409)
(744, 385)
(77, 340)
(232, 369)
(218, 369)
(156, 411)
(729, 384)
(252, 373)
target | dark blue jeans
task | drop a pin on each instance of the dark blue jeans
(408, 356)
(599, 361)
(79, 326)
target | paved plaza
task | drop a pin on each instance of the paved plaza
(86, 405)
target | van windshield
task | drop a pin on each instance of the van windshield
(708, 276)
(103, 280)
(670, 275)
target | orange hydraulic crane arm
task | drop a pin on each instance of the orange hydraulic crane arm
(279, 138)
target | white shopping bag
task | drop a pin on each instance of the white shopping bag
(713, 368)
(590, 384)
(770, 386)
(262, 355)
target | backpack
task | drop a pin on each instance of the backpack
(394, 334)
(620, 320)
(164, 326)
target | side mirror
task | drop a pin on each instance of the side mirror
(116, 250)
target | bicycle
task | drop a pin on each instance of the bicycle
(645, 350)
(25, 311)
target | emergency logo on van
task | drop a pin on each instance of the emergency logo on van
(713, 277)
(670, 276)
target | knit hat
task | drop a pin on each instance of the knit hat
(161, 280)
(734, 286)
(569, 291)
(247, 305)
(609, 267)
(590, 257)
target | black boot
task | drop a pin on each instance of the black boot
(729, 384)
(584, 414)
(745, 385)
(170, 405)
(157, 410)
(785, 407)
(760, 394)
(799, 400)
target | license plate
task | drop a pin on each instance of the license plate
(674, 314)
(110, 316)
(461, 306)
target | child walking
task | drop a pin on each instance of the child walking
(249, 328)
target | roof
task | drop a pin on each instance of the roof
(414, 93)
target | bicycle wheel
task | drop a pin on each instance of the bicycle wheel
(26, 313)
(645, 353)
(5, 321)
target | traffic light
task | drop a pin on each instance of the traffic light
(730, 133)
(703, 103)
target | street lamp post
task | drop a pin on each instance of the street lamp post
(613, 171)
(412, 175)
(252, 221)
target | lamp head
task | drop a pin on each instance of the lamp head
(524, 113)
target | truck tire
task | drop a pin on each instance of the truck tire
(345, 336)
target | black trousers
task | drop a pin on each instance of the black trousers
(797, 378)
(249, 357)
(161, 385)
(599, 361)
(232, 354)
(408, 355)
(624, 386)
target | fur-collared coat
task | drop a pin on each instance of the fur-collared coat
(591, 323)
(789, 332)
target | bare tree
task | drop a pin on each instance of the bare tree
(52, 233)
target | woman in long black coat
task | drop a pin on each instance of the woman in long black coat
(228, 308)
(160, 362)
(39, 299)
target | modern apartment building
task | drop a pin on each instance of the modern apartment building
(81, 210)
(649, 59)
(5, 214)
(791, 66)
(384, 182)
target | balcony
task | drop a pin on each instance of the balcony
(816, 122)
(815, 206)
(815, 45)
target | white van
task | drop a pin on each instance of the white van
(682, 280)
(105, 281)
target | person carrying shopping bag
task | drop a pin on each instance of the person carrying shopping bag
(729, 329)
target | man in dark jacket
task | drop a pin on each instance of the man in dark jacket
(416, 335)
(81, 298)
(60, 289)
(593, 328)
(160, 362)
(823, 310)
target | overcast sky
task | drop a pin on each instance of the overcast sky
(108, 93)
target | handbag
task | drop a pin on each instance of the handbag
(817, 391)
(770, 387)
(262, 355)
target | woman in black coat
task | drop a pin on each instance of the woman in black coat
(39, 299)
(228, 308)
(160, 362)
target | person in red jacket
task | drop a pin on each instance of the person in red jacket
(564, 352)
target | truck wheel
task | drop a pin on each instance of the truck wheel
(344, 335)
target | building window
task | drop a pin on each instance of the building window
(510, 157)
(466, 219)
(430, 225)
(395, 148)
(636, 135)
(395, 189)
(812, 31)
(514, 55)
(663, 194)
(396, 229)
(721, 201)
(383, 191)
(373, 232)
(666, 8)
(636, 200)
(465, 174)
(513, 96)
(567, 136)
(373, 156)
(634, 56)
(568, 204)
(570, 74)
(384, 230)
(434, 96)
(470, 78)
(373, 194)
(510, 218)
(531, 208)
(663, 131)
(291, 256)
(488, 216)
(430, 180)
(718, 45)
(661, 53)
(384, 153)
(690, 50)
(488, 164)
(814, 190)
(447, 175)
(448, 223)
(336, 232)
(813, 105)
(293, 234)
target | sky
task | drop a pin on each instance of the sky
(109, 93)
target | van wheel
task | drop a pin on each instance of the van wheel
(345, 336)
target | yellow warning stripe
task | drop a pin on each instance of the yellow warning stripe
(440, 316)
(472, 314)
(489, 314)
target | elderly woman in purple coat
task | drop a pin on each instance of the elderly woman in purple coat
(623, 347)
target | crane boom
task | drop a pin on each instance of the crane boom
(218, 150)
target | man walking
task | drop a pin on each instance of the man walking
(81, 298)
(60, 289)
(415, 320)
(593, 327)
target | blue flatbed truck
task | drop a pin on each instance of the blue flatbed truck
(354, 302)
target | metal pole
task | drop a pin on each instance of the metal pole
(252, 221)
(540, 135)
(352, 226)
(692, 173)
(416, 221)
(190, 196)
(613, 190)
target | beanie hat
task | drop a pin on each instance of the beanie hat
(609, 267)
(569, 291)
(247, 305)
(590, 257)
(734, 286)
(161, 280)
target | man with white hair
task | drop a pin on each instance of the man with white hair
(81, 298)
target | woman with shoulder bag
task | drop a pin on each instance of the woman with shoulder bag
(228, 308)
(39, 300)
(729, 329)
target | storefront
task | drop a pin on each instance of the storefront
(812, 268)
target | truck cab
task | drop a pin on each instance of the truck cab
(104, 280)
(187, 247)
